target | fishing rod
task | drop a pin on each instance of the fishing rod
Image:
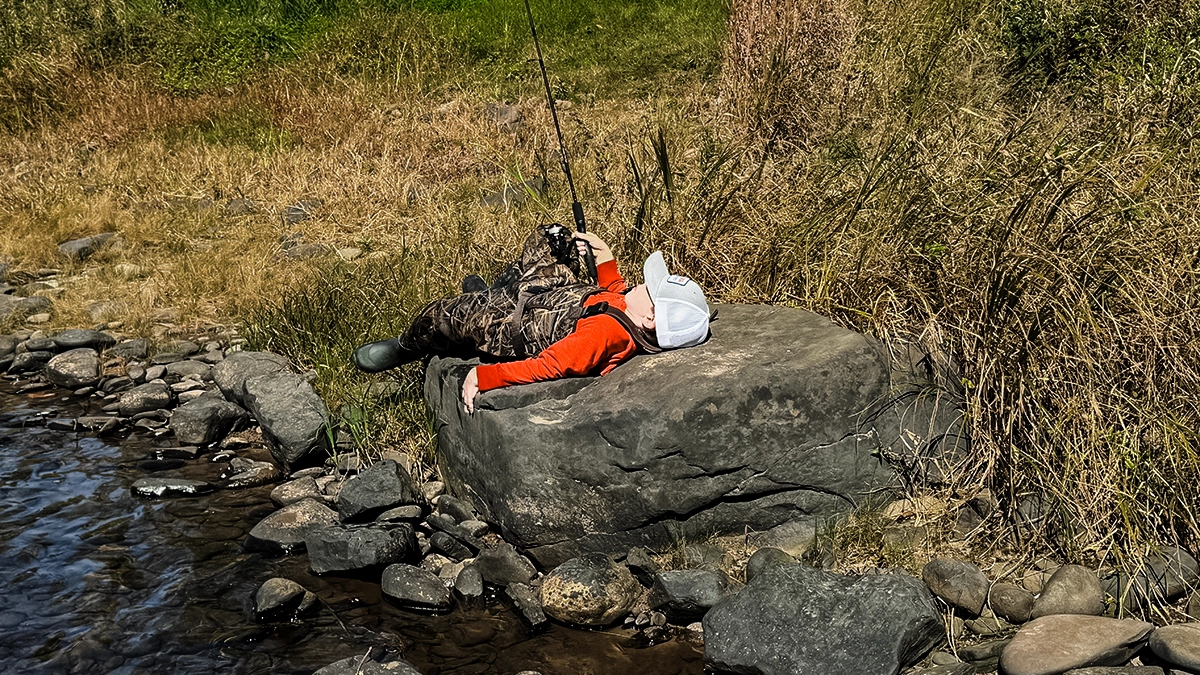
(576, 208)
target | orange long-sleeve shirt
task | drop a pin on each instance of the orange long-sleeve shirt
(599, 343)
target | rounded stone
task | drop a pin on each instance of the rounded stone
(415, 588)
(765, 559)
(590, 590)
(277, 595)
(284, 530)
(1178, 645)
(1058, 643)
(75, 338)
(75, 368)
(957, 582)
(1072, 589)
(1012, 603)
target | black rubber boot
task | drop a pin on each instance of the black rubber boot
(473, 283)
(377, 357)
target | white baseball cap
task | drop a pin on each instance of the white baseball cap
(680, 310)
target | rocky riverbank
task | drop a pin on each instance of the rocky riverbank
(747, 603)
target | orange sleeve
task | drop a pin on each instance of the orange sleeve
(609, 277)
(599, 343)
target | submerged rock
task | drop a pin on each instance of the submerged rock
(797, 619)
(415, 588)
(170, 487)
(362, 665)
(788, 418)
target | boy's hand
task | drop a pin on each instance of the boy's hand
(599, 249)
(470, 390)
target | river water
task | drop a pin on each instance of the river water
(98, 581)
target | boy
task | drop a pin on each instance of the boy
(543, 324)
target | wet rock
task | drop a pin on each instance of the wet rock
(502, 566)
(686, 595)
(284, 531)
(1072, 589)
(29, 362)
(295, 490)
(642, 566)
(75, 368)
(131, 349)
(440, 541)
(143, 398)
(170, 487)
(230, 375)
(277, 597)
(362, 665)
(1055, 644)
(206, 420)
(291, 415)
(765, 559)
(382, 486)
(246, 473)
(99, 424)
(84, 247)
(797, 619)
(182, 369)
(414, 588)
(1012, 603)
(528, 605)
(1163, 577)
(590, 590)
(469, 583)
(76, 338)
(339, 548)
(1178, 645)
(957, 582)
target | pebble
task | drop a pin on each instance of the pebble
(1012, 603)
(433, 489)
(957, 582)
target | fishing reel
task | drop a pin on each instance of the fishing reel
(561, 243)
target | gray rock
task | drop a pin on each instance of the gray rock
(984, 654)
(437, 521)
(411, 512)
(29, 361)
(415, 588)
(440, 541)
(708, 556)
(143, 398)
(455, 508)
(1116, 670)
(1055, 644)
(231, 374)
(1072, 589)
(507, 117)
(291, 415)
(277, 597)
(131, 349)
(382, 486)
(1178, 645)
(362, 665)
(945, 669)
(284, 531)
(1012, 603)
(38, 345)
(240, 207)
(602, 464)
(469, 583)
(1193, 606)
(1163, 577)
(117, 385)
(957, 582)
(13, 307)
(75, 368)
(339, 548)
(300, 211)
(8, 345)
(155, 373)
(686, 595)
(207, 420)
(184, 347)
(513, 195)
(502, 566)
(476, 528)
(169, 487)
(76, 338)
(246, 473)
(528, 605)
(797, 619)
(795, 537)
(182, 369)
(590, 590)
(433, 489)
(642, 566)
(84, 247)
(166, 358)
(765, 559)
(295, 490)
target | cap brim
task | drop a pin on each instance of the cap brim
(654, 271)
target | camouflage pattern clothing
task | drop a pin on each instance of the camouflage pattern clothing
(535, 302)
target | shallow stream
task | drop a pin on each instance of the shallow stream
(98, 581)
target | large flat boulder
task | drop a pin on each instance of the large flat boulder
(781, 416)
